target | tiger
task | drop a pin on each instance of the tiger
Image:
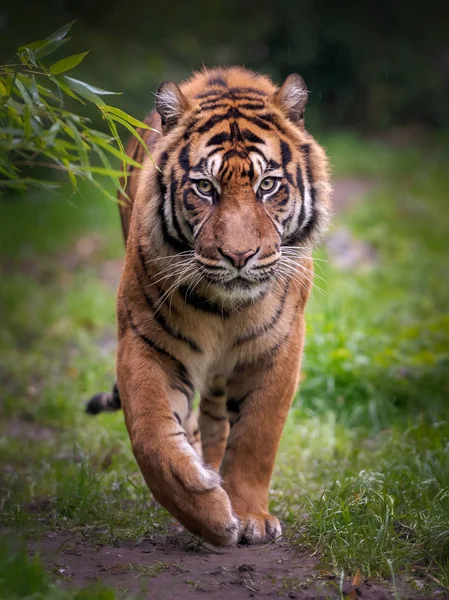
(220, 223)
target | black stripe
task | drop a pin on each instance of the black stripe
(214, 151)
(252, 105)
(257, 332)
(217, 81)
(236, 135)
(311, 224)
(184, 158)
(251, 148)
(252, 137)
(286, 154)
(182, 371)
(234, 152)
(213, 105)
(201, 303)
(168, 238)
(218, 139)
(179, 246)
(243, 90)
(176, 224)
(286, 158)
(216, 393)
(211, 122)
(258, 122)
(231, 92)
(211, 416)
(158, 317)
(270, 118)
(301, 234)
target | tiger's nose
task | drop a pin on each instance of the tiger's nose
(238, 259)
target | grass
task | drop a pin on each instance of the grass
(363, 470)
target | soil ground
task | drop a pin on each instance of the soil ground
(176, 566)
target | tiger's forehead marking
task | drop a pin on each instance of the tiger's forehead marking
(234, 149)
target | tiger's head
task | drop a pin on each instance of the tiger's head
(240, 181)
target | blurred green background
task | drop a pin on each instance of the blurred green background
(369, 65)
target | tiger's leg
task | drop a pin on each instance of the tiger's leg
(214, 423)
(258, 404)
(192, 430)
(172, 470)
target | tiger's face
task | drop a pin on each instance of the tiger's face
(237, 179)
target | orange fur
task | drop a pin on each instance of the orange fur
(183, 329)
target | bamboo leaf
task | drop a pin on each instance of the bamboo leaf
(60, 33)
(65, 88)
(65, 64)
(108, 172)
(123, 115)
(73, 83)
(25, 94)
(70, 173)
(84, 90)
(34, 91)
(133, 132)
(50, 48)
(115, 152)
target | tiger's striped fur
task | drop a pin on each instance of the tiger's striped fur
(217, 274)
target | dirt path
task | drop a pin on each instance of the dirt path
(174, 566)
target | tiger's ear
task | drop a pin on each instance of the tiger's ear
(291, 98)
(171, 104)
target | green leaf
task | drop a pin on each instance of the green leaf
(131, 129)
(122, 114)
(34, 45)
(70, 173)
(65, 88)
(108, 172)
(84, 90)
(34, 91)
(115, 152)
(115, 133)
(67, 63)
(25, 94)
(81, 146)
(60, 33)
(91, 88)
(50, 47)
(26, 181)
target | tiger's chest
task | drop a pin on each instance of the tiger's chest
(229, 342)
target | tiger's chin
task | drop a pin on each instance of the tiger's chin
(239, 288)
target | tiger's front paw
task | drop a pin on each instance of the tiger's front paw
(258, 528)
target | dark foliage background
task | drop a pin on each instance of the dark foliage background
(368, 65)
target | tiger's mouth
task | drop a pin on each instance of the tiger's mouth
(240, 284)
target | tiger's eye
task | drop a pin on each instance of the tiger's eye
(267, 184)
(204, 186)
